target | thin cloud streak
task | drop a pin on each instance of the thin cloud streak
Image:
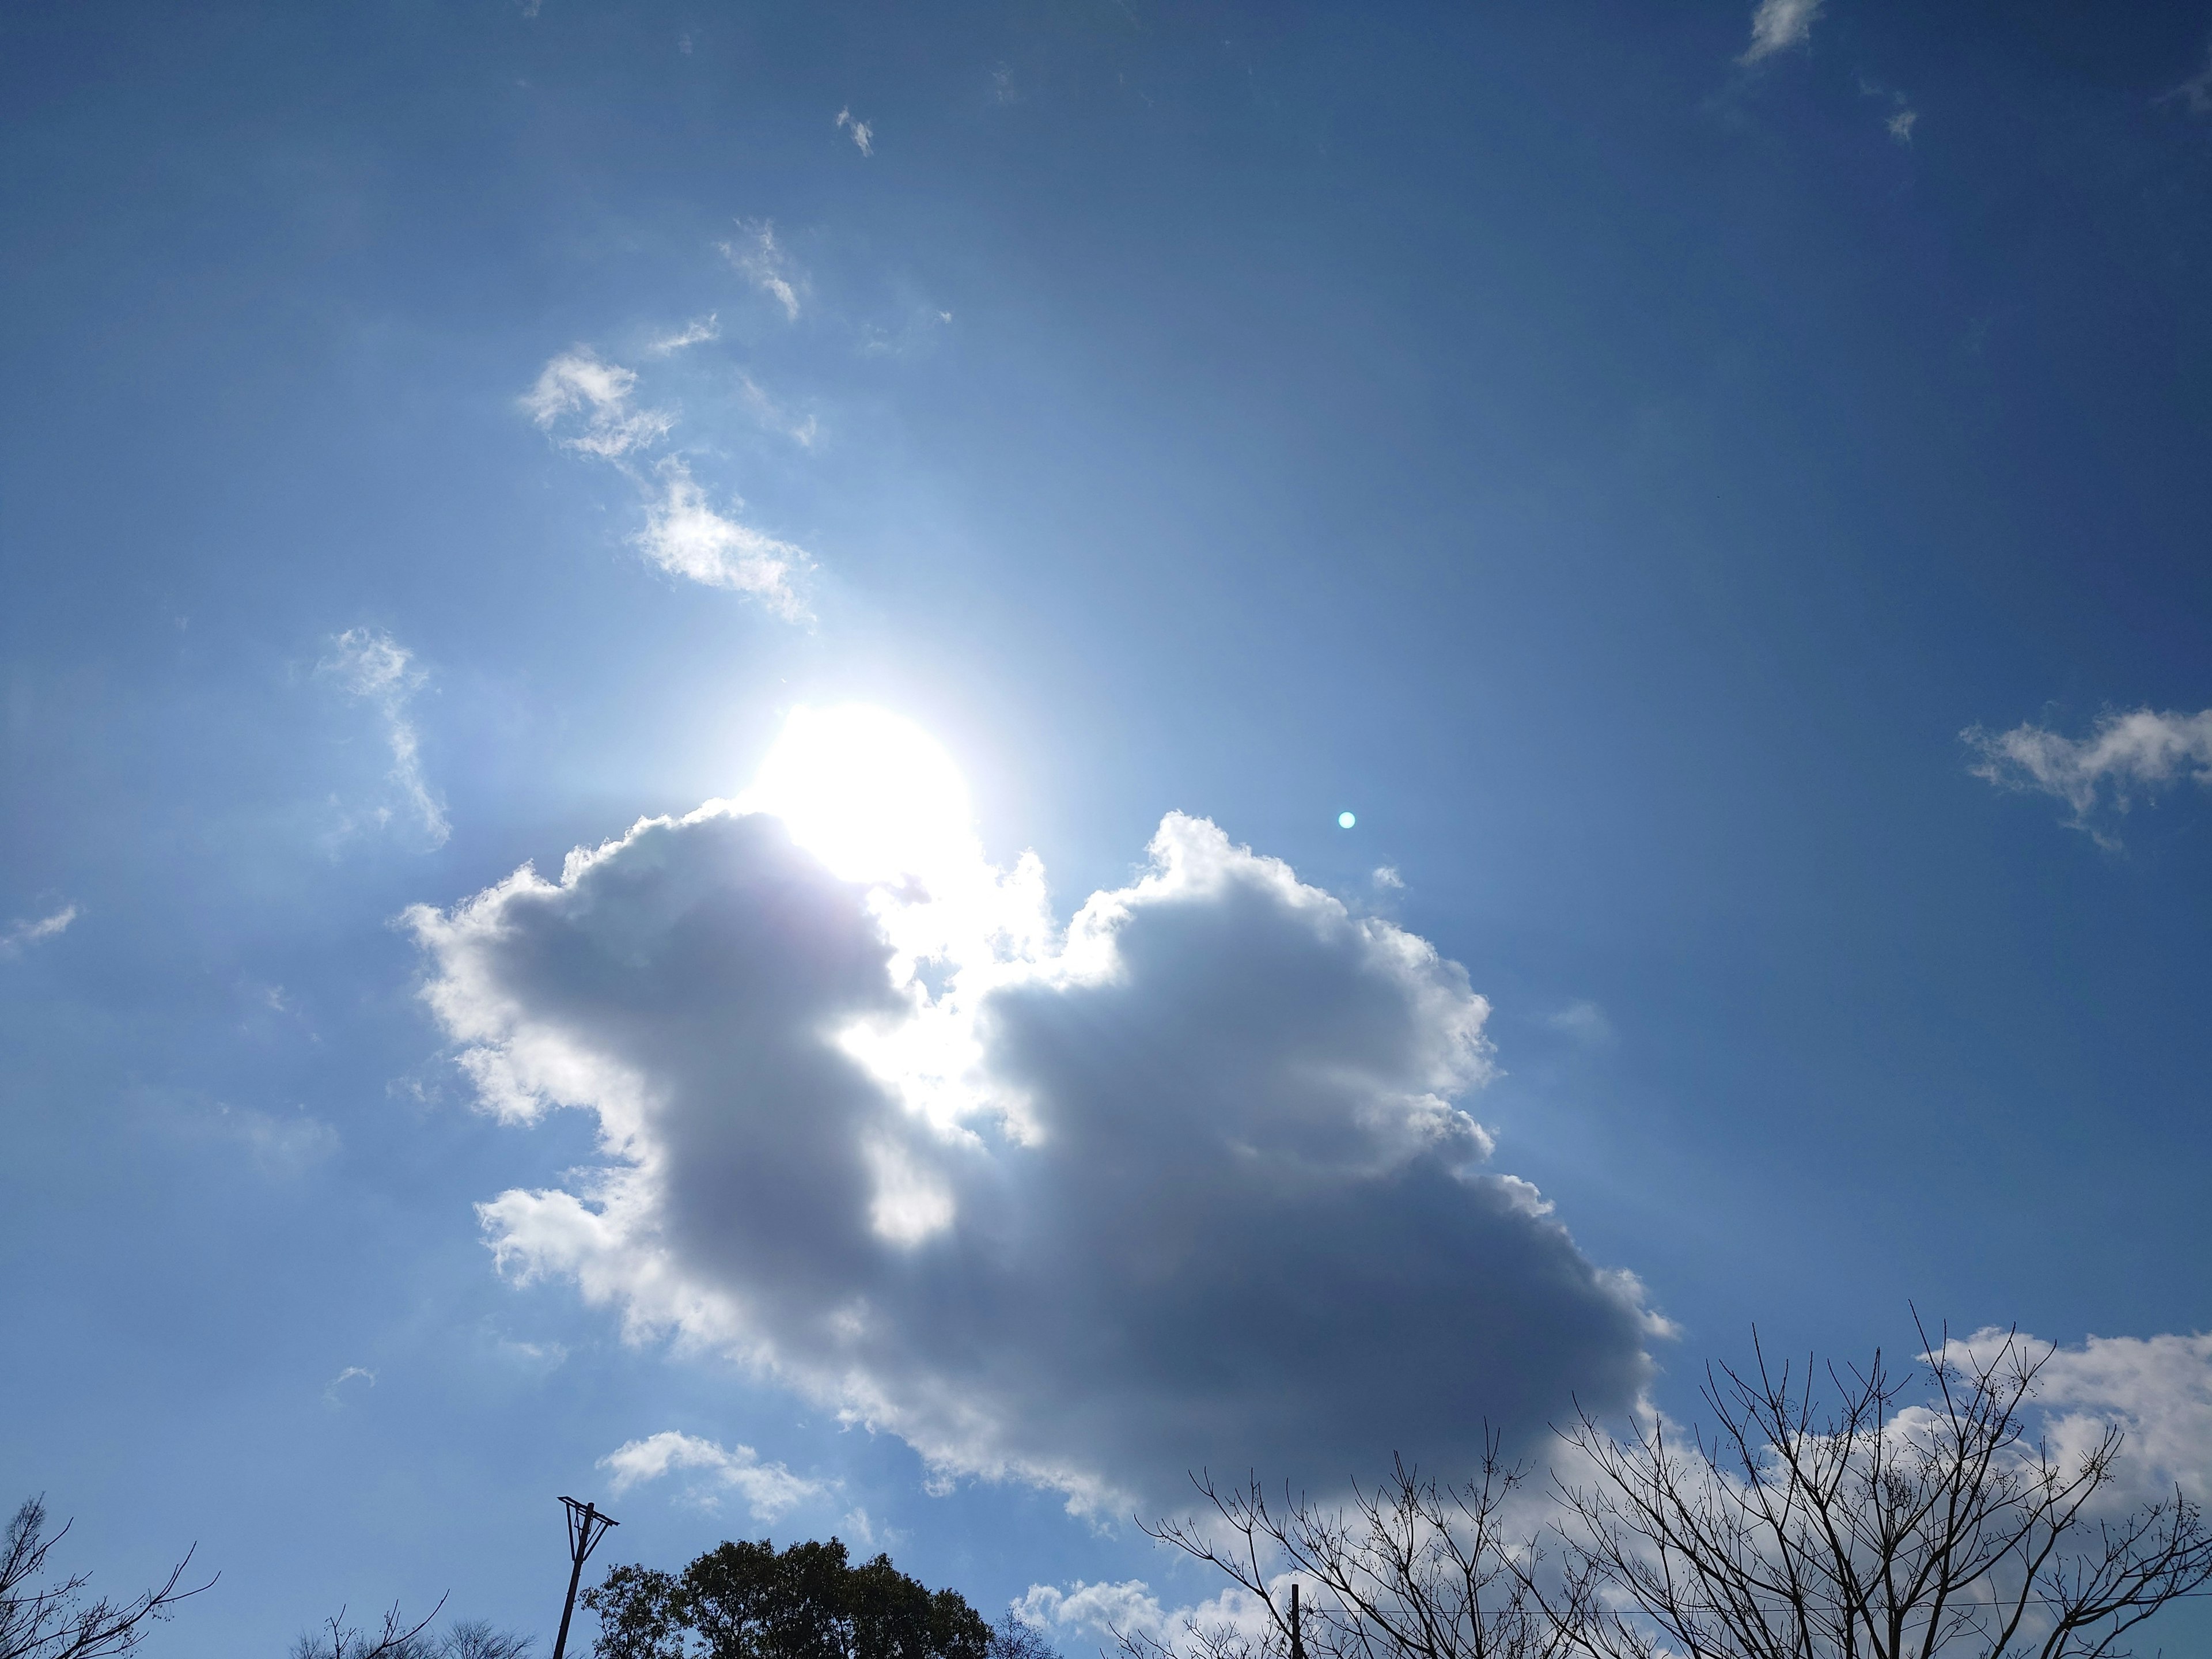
(698, 332)
(372, 667)
(760, 258)
(2195, 93)
(772, 416)
(34, 930)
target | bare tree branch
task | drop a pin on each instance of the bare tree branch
(1804, 1531)
(57, 1622)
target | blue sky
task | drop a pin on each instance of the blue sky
(1707, 499)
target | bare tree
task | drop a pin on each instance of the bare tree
(1012, 1639)
(1797, 1528)
(57, 1622)
(1413, 1570)
(395, 1639)
(475, 1638)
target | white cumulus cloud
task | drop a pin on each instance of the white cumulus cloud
(768, 1489)
(372, 666)
(1181, 1183)
(2157, 1389)
(863, 134)
(1106, 1612)
(2126, 755)
(1778, 25)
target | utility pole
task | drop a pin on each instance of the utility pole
(1297, 1642)
(587, 1526)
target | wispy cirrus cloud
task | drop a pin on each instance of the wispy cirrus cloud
(769, 1489)
(371, 667)
(2195, 92)
(1778, 25)
(863, 134)
(578, 383)
(2125, 756)
(801, 430)
(35, 930)
(1584, 1022)
(686, 537)
(760, 258)
(698, 332)
(1902, 116)
(685, 533)
(281, 1147)
(362, 1373)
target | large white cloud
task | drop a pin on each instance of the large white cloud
(1183, 1184)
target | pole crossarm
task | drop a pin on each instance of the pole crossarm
(587, 1526)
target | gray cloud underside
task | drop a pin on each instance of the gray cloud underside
(1222, 1214)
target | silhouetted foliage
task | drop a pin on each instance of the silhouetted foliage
(746, 1600)
(57, 1621)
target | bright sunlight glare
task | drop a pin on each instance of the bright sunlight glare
(870, 794)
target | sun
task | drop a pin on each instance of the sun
(870, 794)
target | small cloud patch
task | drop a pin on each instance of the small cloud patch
(1778, 25)
(333, 1395)
(1585, 1023)
(36, 930)
(2126, 757)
